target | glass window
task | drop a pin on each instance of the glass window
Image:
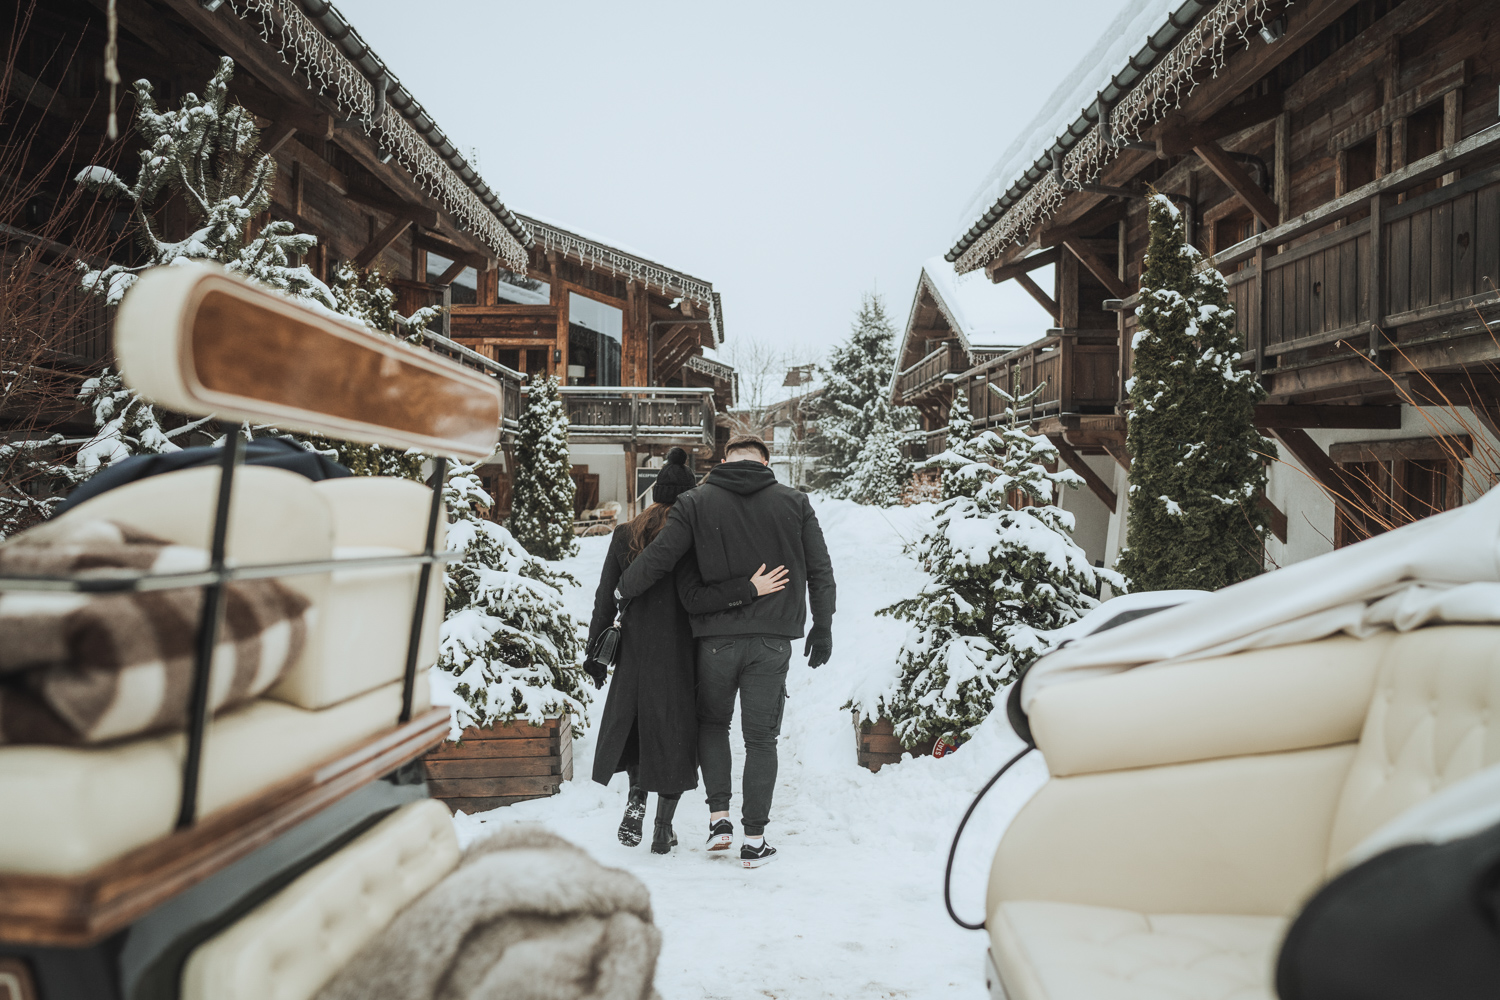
(520, 290)
(595, 331)
(465, 286)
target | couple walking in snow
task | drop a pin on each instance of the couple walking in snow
(702, 625)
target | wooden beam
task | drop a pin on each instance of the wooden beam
(1027, 264)
(1176, 135)
(1115, 449)
(1278, 517)
(1359, 417)
(1231, 173)
(1077, 464)
(448, 276)
(1106, 274)
(421, 215)
(1320, 467)
(1042, 298)
(383, 239)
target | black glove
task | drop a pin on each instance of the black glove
(819, 646)
(596, 671)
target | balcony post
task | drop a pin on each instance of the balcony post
(1377, 273)
(1257, 317)
(1066, 353)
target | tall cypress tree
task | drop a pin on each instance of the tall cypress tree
(541, 513)
(1198, 465)
(855, 411)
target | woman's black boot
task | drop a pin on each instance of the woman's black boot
(635, 815)
(663, 839)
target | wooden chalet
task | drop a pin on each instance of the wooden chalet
(631, 340)
(954, 325)
(360, 164)
(1338, 161)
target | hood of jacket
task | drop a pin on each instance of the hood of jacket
(743, 478)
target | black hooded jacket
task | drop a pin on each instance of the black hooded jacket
(739, 518)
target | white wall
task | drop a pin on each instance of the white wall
(607, 461)
(1091, 518)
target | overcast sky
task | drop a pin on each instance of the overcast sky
(796, 155)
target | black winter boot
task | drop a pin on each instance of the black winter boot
(663, 839)
(635, 815)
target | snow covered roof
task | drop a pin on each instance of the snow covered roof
(976, 308)
(619, 259)
(313, 37)
(1137, 83)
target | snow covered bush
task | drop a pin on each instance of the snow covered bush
(1007, 572)
(542, 489)
(205, 151)
(859, 431)
(507, 639)
(1198, 465)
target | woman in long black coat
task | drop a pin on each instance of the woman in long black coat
(650, 723)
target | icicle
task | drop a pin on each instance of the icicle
(111, 68)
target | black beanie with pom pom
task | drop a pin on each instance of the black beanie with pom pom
(674, 478)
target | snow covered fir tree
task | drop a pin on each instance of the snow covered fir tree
(542, 488)
(1006, 572)
(859, 431)
(1198, 465)
(507, 638)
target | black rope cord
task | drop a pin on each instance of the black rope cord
(953, 848)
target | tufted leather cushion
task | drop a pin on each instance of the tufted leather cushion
(290, 945)
(1260, 701)
(68, 809)
(361, 638)
(1434, 720)
(1065, 951)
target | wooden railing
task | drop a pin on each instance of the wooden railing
(947, 359)
(603, 414)
(922, 445)
(1075, 369)
(1390, 264)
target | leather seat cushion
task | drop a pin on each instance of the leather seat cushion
(1066, 951)
(70, 809)
(290, 945)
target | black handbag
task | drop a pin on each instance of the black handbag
(601, 651)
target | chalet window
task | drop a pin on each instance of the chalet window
(1397, 482)
(595, 331)
(465, 286)
(1360, 164)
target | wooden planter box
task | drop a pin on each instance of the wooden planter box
(875, 744)
(501, 765)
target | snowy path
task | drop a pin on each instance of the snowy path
(853, 905)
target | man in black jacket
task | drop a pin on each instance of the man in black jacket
(738, 519)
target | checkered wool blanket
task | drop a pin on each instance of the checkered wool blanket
(82, 668)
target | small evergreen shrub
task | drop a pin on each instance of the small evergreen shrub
(542, 489)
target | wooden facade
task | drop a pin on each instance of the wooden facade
(361, 166)
(1343, 171)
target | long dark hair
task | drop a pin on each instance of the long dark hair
(645, 526)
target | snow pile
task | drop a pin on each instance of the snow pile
(1121, 39)
(853, 905)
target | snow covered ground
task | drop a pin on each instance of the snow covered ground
(853, 905)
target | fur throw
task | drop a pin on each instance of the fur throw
(85, 668)
(526, 916)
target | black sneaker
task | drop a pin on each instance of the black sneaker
(663, 838)
(635, 813)
(754, 857)
(721, 836)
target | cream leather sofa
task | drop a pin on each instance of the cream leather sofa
(68, 810)
(293, 943)
(1193, 808)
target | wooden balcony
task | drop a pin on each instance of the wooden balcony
(511, 381)
(1076, 370)
(922, 445)
(924, 376)
(1388, 280)
(631, 415)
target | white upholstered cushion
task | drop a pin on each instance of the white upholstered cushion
(290, 945)
(1434, 720)
(361, 637)
(1260, 701)
(1063, 951)
(69, 809)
